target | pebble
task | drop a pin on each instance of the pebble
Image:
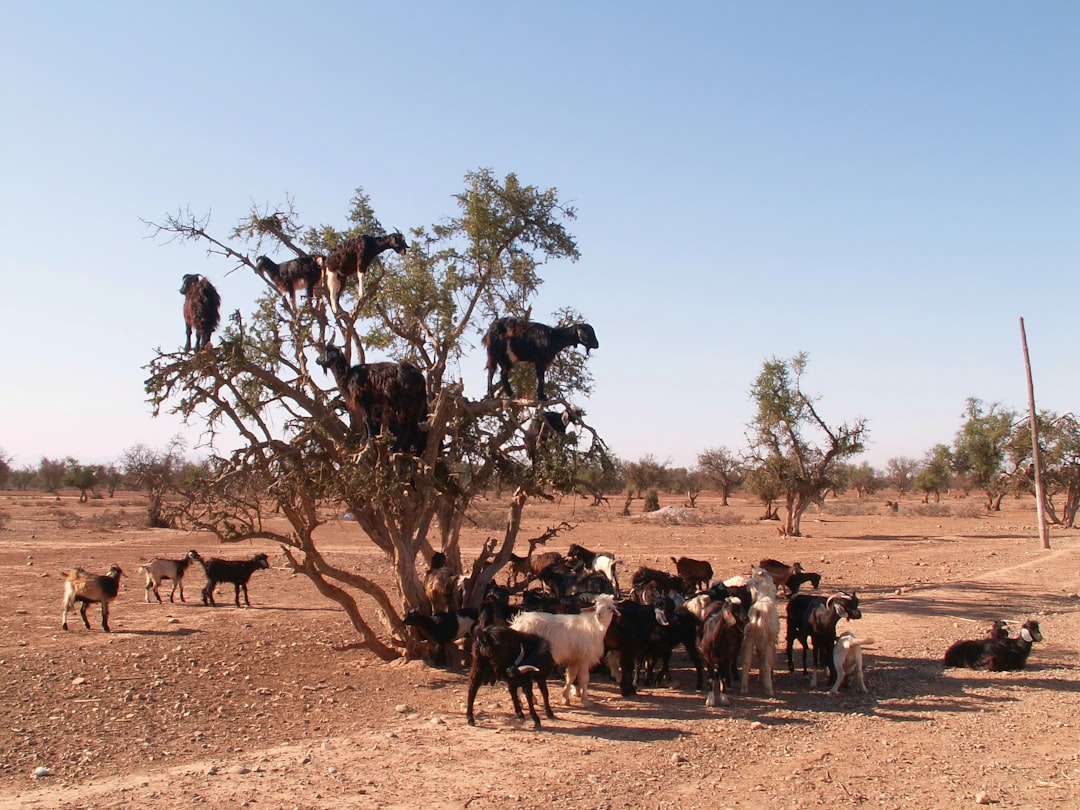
(40, 772)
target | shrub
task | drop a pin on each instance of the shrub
(652, 500)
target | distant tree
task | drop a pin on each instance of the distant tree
(863, 478)
(934, 474)
(789, 432)
(900, 472)
(5, 469)
(644, 474)
(111, 478)
(723, 469)
(980, 448)
(764, 481)
(82, 477)
(1059, 439)
(158, 473)
(23, 478)
(51, 474)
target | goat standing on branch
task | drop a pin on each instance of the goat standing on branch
(390, 396)
(301, 273)
(515, 340)
(202, 309)
(353, 257)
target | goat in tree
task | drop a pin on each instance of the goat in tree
(549, 427)
(390, 396)
(301, 273)
(515, 340)
(353, 257)
(202, 309)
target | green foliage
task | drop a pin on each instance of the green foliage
(935, 473)
(981, 445)
(82, 477)
(723, 469)
(900, 471)
(645, 473)
(5, 469)
(862, 478)
(50, 474)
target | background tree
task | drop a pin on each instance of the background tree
(900, 472)
(428, 307)
(50, 473)
(979, 449)
(644, 474)
(723, 469)
(1059, 439)
(862, 478)
(933, 476)
(111, 478)
(763, 480)
(789, 432)
(5, 469)
(157, 472)
(23, 478)
(83, 477)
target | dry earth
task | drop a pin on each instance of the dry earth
(274, 707)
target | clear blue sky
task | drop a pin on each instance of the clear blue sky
(886, 186)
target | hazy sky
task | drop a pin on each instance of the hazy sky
(886, 186)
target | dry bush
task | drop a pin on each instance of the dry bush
(931, 510)
(110, 520)
(968, 511)
(850, 508)
(66, 519)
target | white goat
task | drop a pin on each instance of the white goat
(577, 641)
(159, 569)
(847, 657)
(762, 630)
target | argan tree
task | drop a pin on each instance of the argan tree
(980, 449)
(83, 477)
(299, 451)
(934, 474)
(792, 440)
(723, 469)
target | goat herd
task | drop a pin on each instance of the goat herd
(573, 617)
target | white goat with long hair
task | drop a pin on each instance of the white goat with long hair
(576, 640)
(762, 631)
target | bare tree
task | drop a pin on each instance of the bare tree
(723, 468)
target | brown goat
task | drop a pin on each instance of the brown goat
(301, 273)
(202, 309)
(353, 257)
(516, 340)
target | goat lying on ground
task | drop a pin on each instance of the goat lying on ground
(382, 396)
(997, 652)
(848, 661)
(301, 273)
(86, 588)
(519, 659)
(816, 617)
(577, 641)
(516, 340)
(238, 572)
(353, 257)
(202, 309)
(159, 569)
(443, 629)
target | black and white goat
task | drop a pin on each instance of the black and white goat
(519, 659)
(202, 309)
(443, 629)
(353, 257)
(721, 640)
(516, 340)
(997, 652)
(301, 273)
(382, 396)
(548, 428)
(815, 618)
(598, 561)
(160, 568)
(86, 588)
(238, 572)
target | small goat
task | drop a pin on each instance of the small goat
(519, 659)
(301, 273)
(382, 396)
(202, 309)
(238, 572)
(721, 640)
(577, 641)
(86, 588)
(353, 257)
(159, 569)
(516, 340)
(848, 661)
(795, 581)
(816, 617)
(695, 574)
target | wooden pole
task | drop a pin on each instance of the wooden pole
(1036, 455)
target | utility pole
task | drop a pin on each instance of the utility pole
(1036, 455)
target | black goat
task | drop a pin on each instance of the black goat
(721, 639)
(695, 574)
(443, 629)
(628, 637)
(997, 652)
(382, 396)
(520, 659)
(238, 572)
(202, 309)
(795, 581)
(683, 628)
(599, 561)
(301, 273)
(816, 617)
(516, 340)
(647, 581)
(564, 582)
(86, 588)
(353, 257)
(547, 428)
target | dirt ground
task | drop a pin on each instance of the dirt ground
(273, 706)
